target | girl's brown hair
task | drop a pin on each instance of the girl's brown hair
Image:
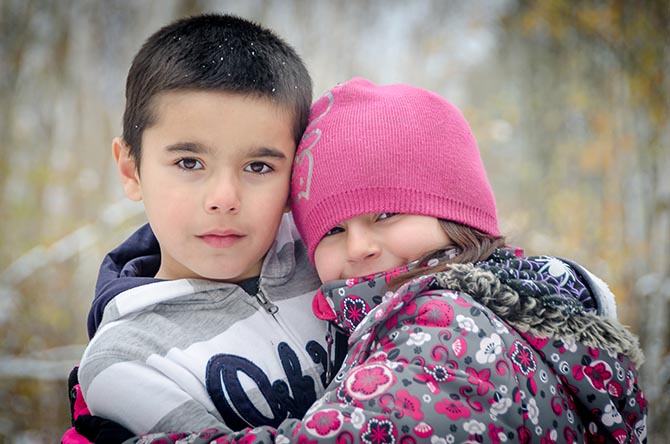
(475, 246)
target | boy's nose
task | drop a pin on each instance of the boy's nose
(361, 245)
(222, 196)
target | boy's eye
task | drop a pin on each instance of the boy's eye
(258, 168)
(383, 216)
(189, 163)
(335, 230)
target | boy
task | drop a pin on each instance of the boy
(210, 326)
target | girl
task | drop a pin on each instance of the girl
(453, 337)
(508, 350)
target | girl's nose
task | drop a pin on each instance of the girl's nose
(222, 196)
(361, 244)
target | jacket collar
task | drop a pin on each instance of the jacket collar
(347, 301)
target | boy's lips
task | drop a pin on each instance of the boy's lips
(221, 239)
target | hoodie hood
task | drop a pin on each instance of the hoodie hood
(133, 263)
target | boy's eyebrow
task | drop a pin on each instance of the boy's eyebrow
(266, 152)
(196, 148)
(186, 146)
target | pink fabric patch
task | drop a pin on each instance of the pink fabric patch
(72, 437)
(321, 308)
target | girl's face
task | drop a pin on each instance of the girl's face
(372, 243)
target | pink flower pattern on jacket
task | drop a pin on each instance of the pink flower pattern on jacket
(325, 422)
(369, 380)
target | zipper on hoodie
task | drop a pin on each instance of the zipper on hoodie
(269, 307)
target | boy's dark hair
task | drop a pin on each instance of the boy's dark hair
(214, 52)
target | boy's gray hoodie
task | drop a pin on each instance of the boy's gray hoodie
(185, 354)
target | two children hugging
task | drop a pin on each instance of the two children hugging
(453, 337)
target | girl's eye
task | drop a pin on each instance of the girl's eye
(188, 163)
(258, 168)
(383, 216)
(333, 231)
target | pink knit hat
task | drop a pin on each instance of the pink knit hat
(396, 148)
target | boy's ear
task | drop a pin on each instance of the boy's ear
(127, 169)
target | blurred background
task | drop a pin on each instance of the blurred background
(569, 102)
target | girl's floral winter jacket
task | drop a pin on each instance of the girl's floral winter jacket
(510, 350)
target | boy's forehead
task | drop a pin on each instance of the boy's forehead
(197, 120)
(188, 96)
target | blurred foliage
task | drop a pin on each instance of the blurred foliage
(604, 71)
(569, 102)
(602, 68)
